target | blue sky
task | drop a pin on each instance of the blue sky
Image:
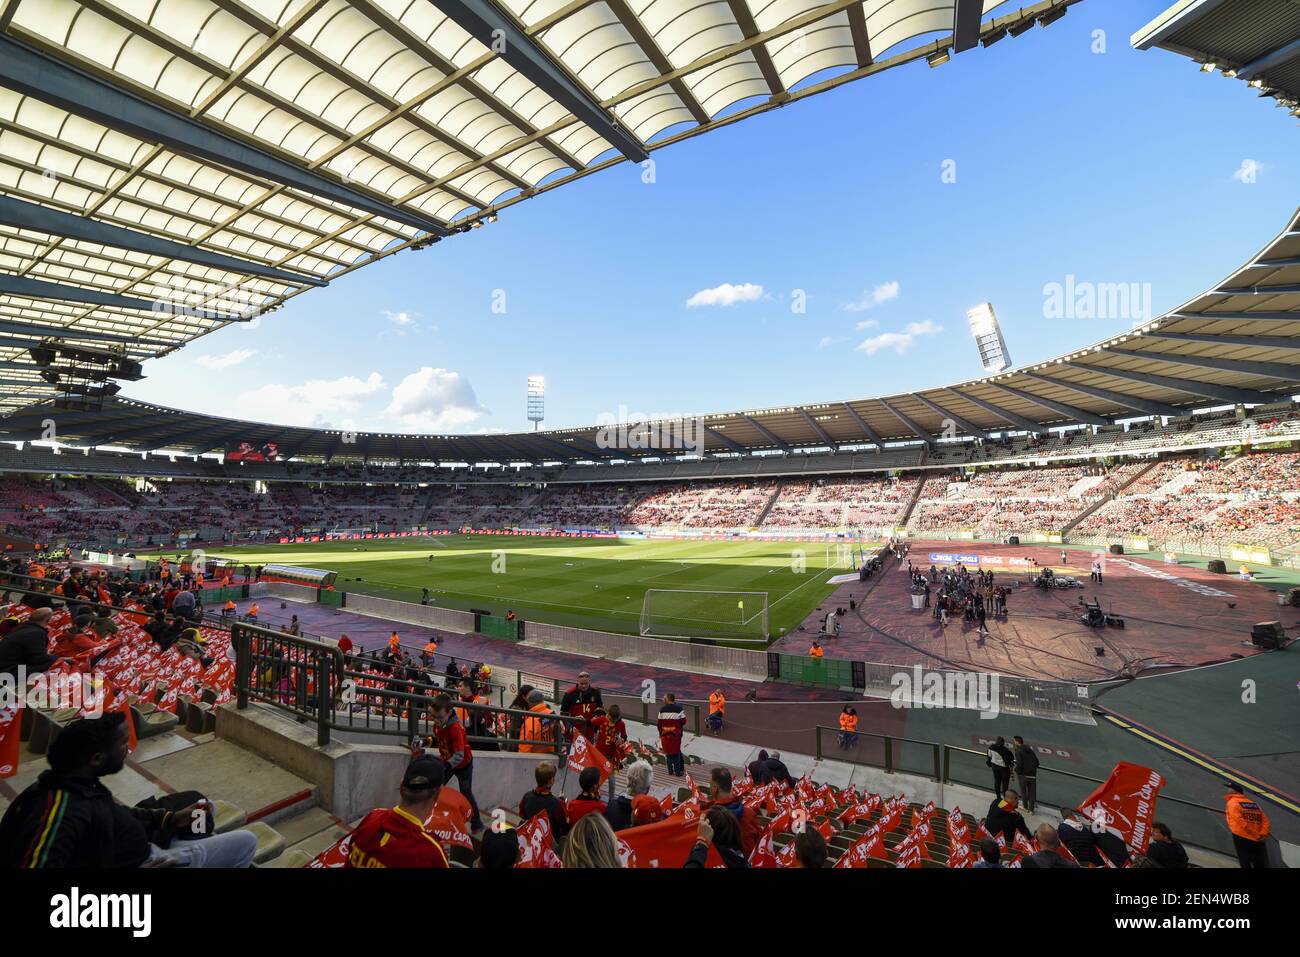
(1115, 167)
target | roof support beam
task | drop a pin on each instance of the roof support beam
(867, 430)
(745, 20)
(40, 289)
(1258, 290)
(64, 332)
(498, 31)
(643, 39)
(953, 417)
(1145, 406)
(1260, 342)
(725, 440)
(1279, 370)
(1029, 425)
(816, 427)
(861, 39)
(1283, 54)
(1208, 390)
(555, 443)
(966, 24)
(1060, 408)
(1240, 316)
(767, 433)
(923, 435)
(54, 222)
(51, 81)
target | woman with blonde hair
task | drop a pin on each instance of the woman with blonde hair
(591, 843)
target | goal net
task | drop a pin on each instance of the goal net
(682, 613)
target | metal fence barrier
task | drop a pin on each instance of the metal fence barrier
(315, 682)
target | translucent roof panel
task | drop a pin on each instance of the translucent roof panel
(226, 155)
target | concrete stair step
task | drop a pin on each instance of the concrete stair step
(293, 857)
(228, 816)
(270, 842)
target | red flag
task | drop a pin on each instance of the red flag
(690, 783)
(764, 853)
(537, 843)
(910, 857)
(861, 850)
(583, 755)
(786, 856)
(1021, 844)
(665, 843)
(1125, 805)
(336, 855)
(449, 820)
(10, 745)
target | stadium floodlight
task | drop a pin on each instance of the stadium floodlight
(536, 400)
(993, 36)
(994, 355)
(1208, 66)
(938, 58)
(1023, 27)
(1047, 19)
(717, 615)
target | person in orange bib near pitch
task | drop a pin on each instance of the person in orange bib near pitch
(848, 726)
(717, 710)
(252, 611)
(228, 609)
(430, 649)
(1249, 826)
(816, 651)
(394, 644)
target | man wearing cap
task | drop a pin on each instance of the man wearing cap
(397, 837)
(582, 701)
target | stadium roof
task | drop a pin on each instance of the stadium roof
(167, 168)
(1239, 342)
(1255, 41)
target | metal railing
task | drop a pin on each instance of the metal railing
(314, 681)
(1193, 822)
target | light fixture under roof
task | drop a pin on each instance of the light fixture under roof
(1023, 27)
(1208, 66)
(938, 58)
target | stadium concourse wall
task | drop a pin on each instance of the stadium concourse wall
(1027, 697)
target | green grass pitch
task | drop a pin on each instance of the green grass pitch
(590, 583)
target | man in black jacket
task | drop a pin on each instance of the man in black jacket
(1000, 760)
(541, 799)
(1026, 772)
(1163, 850)
(27, 645)
(780, 773)
(67, 818)
(1004, 818)
(759, 772)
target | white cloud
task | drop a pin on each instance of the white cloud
(400, 319)
(866, 324)
(830, 341)
(882, 293)
(232, 358)
(900, 342)
(311, 403)
(433, 400)
(726, 295)
(1248, 172)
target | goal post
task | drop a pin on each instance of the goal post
(721, 615)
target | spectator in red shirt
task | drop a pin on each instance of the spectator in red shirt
(396, 837)
(672, 725)
(582, 701)
(610, 734)
(588, 802)
(454, 749)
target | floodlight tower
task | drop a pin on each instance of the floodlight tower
(988, 338)
(536, 400)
